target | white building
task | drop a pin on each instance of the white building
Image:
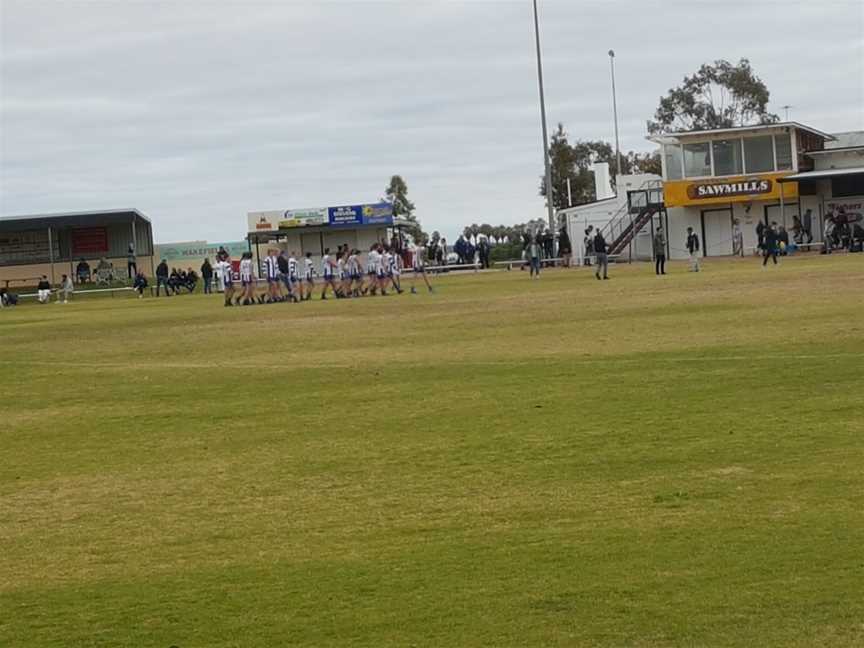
(721, 180)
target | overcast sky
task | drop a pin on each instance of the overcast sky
(196, 112)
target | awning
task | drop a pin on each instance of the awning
(821, 175)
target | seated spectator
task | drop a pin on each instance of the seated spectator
(7, 299)
(140, 284)
(174, 281)
(191, 280)
(43, 290)
(104, 271)
(82, 271)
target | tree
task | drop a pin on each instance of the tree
(574, 162)
(718, 95)
(397, 193)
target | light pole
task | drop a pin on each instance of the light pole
(543, 123)
(615, 115)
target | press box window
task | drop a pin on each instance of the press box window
(672, 153)
(697, 160)
(727, 157)
(783, 147)
(759, 154)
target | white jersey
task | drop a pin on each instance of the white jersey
(394, 263)
(308, 268)
(372, 262)
(246, 270)
(419, 260)
(353, 265)
(340, 268)
(271, 267)
(384, 262)
(326, 268)
(292, 268)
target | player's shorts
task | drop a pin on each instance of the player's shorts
(228, 281)
(272, 280)
(380, 274)
(419, 269)
(246, 282)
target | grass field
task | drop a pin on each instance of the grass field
(673, 461)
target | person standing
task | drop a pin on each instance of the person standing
(65, 290)
(807, 226)
(659, 251)
(599, 245)
(534, 251)
(588, 242)
(162, 278)
(565, 248)
(737, 238)
(693, 249)
(131, 263)
(772, 240)
(207, 276)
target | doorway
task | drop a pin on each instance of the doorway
(717, 232)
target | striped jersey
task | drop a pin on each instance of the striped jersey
(292, 268)
(326, 268)
(271, 267)
(246, 270)
(308, 268)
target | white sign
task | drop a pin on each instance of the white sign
(264, 221)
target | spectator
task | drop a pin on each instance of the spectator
(43, 290)
(692, 245)
(66, 289)
(162, 278)
(190, 280)
(548, 244)
(659, 251)
(772, 240)
(442, 253)
(82, 271)
(807, 226)
(565, 249)
(588, 242)
(599, 245)
(737, 238)
(760, 235)
(131, 264)
(483, 251)
(7, 298)
(783, 241)
(534, 252)
(140, 284)
(207, 276)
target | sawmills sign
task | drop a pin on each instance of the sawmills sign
(746, 187)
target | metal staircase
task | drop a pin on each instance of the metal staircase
(632, 217)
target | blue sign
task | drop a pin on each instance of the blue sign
(349, 216)
(378, 214)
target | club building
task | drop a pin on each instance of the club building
(52, 244)
(314, 230)
(713, 181)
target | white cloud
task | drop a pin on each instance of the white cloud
(196, 112)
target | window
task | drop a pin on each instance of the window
(672, 153)
(697, 160)
(758, 154)
(783, 146)
(848, 185)
(727, 157)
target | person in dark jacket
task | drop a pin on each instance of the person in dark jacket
(600, 255)
(659, 252)
(140, 284)
(772, 240)
(162, 278)
(565, 249)
(82, 271)
(207, 276)
(692, 245)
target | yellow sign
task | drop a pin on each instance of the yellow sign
(712, 191)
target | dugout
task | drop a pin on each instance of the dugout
(314, 230)
(53, 244)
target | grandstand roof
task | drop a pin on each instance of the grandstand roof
(70, 219)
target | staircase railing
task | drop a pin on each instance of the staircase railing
(623, 220)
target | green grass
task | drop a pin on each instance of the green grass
(647, 461)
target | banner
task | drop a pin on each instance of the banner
(264, 221)
(346, 216)
(193, 251)
(89, 240)
(378, 214)
(303, 217)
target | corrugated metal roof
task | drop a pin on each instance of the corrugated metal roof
(825, 173)
(70, 219)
